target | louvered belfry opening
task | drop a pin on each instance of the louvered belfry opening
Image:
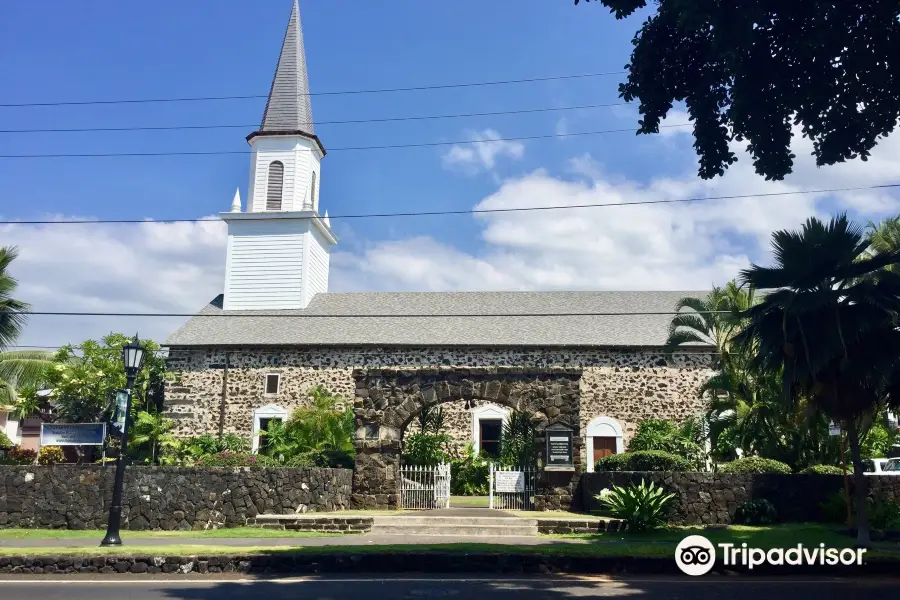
(275, 186)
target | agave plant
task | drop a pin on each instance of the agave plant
(643, 507)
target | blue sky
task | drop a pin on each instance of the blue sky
(106, 49)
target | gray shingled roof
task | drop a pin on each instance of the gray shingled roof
(288, 107)
(540, 320)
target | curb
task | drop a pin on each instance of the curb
(406, 562)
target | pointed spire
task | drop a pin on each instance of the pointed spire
(327, 220)
(288, 107)
(236, 203)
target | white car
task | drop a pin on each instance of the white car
(882, 466)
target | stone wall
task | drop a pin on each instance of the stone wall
(627, 385)
(707, 498)
(77, 497)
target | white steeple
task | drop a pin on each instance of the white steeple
(278, 250)
(236, 202)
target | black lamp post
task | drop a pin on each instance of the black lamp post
(133, 360)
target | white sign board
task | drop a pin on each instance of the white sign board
(509, 481)
(73, 434)
(834, 429)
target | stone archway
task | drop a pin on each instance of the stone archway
(388, 399)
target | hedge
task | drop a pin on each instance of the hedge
(755, 464)
(643, 460)
(822, 470)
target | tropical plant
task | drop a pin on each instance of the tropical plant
(644, 460)
(322, 458)
(469, 474)
(666, 436)
(884, 238)
(755, 464)
(755, 512)
(5, 442)
(21, 456)
(754, 71)
(153, 431)
(236, 459)
(829, 325)
(643, 507)
(426, 449)
(50, 455)
(18, 368)
(431, 419)
(518, 441)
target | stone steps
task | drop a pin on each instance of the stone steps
(324, 523)
(455, 526)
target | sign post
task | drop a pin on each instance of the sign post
(559, 448)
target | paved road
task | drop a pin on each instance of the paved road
(345, 540)
(544, 588)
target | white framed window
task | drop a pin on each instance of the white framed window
(262, 418)
(487, 423)
(275, 185)
(602, 437)
(272, 384)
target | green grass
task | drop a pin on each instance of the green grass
(231, 532)
(456, 501)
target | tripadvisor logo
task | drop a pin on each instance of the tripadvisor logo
(695, 555)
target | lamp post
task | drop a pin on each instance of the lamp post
(133, 360)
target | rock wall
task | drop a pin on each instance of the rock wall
(627, 385)
(77, 497)
(712, 499)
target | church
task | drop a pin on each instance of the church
(590, 361)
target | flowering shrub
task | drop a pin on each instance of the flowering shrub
(235, 459)
(21, 456)
(51, 455)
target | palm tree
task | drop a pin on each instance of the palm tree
(830, 327)
(17, 368)
(155, 431)
(883, 237)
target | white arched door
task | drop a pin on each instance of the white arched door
(603, 437)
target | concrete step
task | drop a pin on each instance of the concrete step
(451, 522)
(487, 531)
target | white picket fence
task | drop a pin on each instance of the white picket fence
(424, 488)
(512, 488)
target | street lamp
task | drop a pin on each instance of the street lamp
(133, 360)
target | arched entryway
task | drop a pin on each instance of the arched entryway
(388, 399)
(602, 437)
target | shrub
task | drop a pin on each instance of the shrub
(331, 459)
(755, 464)
(5, 441)
(884, 514)
(822, 470)
(18, 455)
(643, 507)
(235, 459)
(426, 449)
(51, 455)
(644, 460)
(834, 508)
(469, 474)
(665, 435)
(755, 512)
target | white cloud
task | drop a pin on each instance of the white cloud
(481, 155)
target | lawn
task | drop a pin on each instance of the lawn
(97, 534)
(457, 501)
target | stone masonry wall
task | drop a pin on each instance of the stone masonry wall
(626, 385)
(77, 497)
(712, 499)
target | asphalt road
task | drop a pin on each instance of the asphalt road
(375, 588)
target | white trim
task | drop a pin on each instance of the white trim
(269, 411)
(601, 427)
(486, 412)
(266, 391)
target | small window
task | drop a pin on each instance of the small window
(489, 436)
(273, 380)
(312, 190)
(275, 185)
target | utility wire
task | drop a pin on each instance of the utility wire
(474, 211)
(332, 93)
(341, 122)
(354, 316)
(346, 148)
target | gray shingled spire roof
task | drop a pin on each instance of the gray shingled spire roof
(288, 107)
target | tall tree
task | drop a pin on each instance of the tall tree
(830, 326)
(751, 70)
(17, 368)
(884, 237)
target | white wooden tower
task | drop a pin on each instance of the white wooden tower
(278, 250)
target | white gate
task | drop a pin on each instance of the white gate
(512, 488)
(424, 488)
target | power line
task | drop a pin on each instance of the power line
(332, 93)
(477, 210)
(340, 122)
(355, 316)
(346, 148)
